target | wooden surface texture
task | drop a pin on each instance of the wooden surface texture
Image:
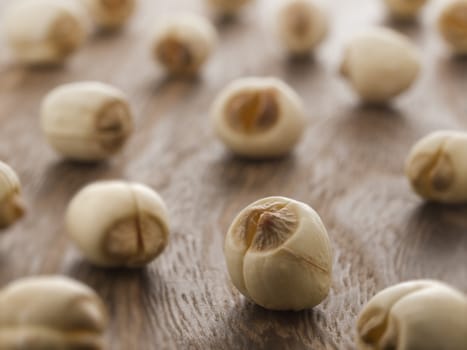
(349, 167)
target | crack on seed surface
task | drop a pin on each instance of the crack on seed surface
(436, 174)
(268, 226)
(307, 260)
(135, 240)
(113, 126)
(139, 231)
(371, 335)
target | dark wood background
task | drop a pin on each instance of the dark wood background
(349, 167)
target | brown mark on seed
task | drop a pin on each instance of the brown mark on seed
(455, 22)
(298, 18)
(372, 327)
(118, 9)
(11, 209)
(113, 4)
(175, 55)
(442, 174)
(376, 327)
(113, 126)
(86, 314)
(136, 240)
(253, 112)
(65, 35)
(432, 172)
(267, 226)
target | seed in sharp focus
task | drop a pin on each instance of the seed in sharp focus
(391, 69)
(115, 223)
(278, 254)
(258, 117)
(301, 26)
(46, 39)
(11, 204)
(86, 121)
(183, 43)
(436, 167)
(51, 312)
(421, 314)
(110, 14)
(268, 226)
(452, 24)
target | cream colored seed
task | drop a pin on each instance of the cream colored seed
(11, 205)
(116, 223)
(183, 43)
(405, 9)
(51, 313)
(278, 254)
(258, 117)
(48, 38)
(86, 121)
(301, 26)
(110, 14)
(391, 69)
(227, 7)
(414, 315)
(437, 167)
(452, 24)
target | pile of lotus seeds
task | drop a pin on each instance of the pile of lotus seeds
(274, 244)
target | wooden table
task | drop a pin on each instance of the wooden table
(349, 167)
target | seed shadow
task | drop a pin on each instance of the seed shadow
(112, 284)
(447, 223)
(452, 70)
(454, 66)
(226, 22)
(66, 176)
(6, 273)
(251, 326)
(166, 82)
(38, 69)
(304, 59)
(459, 59)
(378, 136)
(370, 121)
(231, 171)
(46, 68)
(296, 66)
(106, 34)
(437, 232)
(124, 292)
(375, 110)
(234, 158)
(411, 26)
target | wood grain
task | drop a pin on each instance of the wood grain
(349, 167)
